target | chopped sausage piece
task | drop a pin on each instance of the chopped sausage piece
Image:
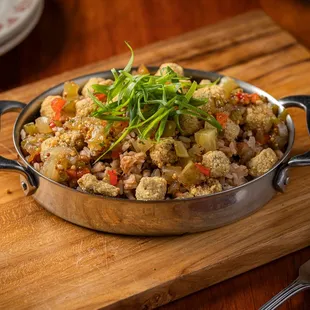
(190, 124)
(163, 152)
(262, 162)
(46, 107)
(132, 162)
(89, 183)
(211, 186)
(151, 188)
(259, 117)
(175, 67)
(217, 162)
(231, 130)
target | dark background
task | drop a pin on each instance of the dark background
(73, 33)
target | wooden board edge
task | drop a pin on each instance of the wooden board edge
(201, 279)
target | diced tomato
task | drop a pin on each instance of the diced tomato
(221, 118)
(254, 98)
(57, 105)
(113, 177)
(72, 173)
(203, 169)
(116, 151)
(243, 97)
(264, 139)
(52, 124)
(81, 172)
(101, 97)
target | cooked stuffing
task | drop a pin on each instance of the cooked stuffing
(210, 187)
(151, 188)
(190, 124)
(259, 117)
(46, 107)
(214, 95)
(85, 107)
(217, 162)
(231, 130)
(163, 153)
(262, 162)
(175, 67)
(155, 137)
(90, 184)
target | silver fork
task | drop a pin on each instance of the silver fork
(300, 284)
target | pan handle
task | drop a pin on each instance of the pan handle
(302, 102)
(28, 181)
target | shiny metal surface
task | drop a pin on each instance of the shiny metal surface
(300, 284)
(168, 217)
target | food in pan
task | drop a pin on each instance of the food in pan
(154, 136)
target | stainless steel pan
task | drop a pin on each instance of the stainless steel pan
(168, 217)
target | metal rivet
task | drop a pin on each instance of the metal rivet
(287, 180)
(24, 186)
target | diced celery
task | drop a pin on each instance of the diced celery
(169, 130)
(228, 84)
(180, 149)
(207, 138)
(190, 175)
(168, 172)
(71, 90)
(31, 129)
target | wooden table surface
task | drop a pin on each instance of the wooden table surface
(73, 33)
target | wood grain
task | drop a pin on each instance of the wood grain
(46, 262)
(73, 33)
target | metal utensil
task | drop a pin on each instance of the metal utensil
(300, 284)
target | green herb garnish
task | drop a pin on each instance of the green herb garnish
(147, 102)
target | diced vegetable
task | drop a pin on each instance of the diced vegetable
(143, 70)
(31, 129)
(222, 118)
(43, 125)
(190, 175)
(283, 115)
(180, 149)
(208, 126)
(57, 105)
(82, 171)
(207, 138)
(275, 109)
(228, 85)
(69, 107)
(203, 169)
(184, 161)
(255, 97)
(113, 177)
(71, 90)
(142, 145)
(170, 173)
(101, 97)
(170, 128)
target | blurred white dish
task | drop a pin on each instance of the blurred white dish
(25, 29)
(15, 15)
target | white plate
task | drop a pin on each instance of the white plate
(14, 16)
(11, 43)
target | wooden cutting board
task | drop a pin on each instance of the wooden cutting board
(47, 263)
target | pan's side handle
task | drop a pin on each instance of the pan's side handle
(302, 102)
(28, 181)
